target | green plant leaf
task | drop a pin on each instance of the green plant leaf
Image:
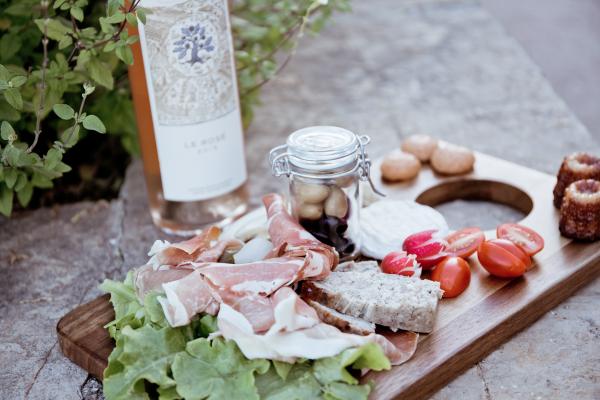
(21, 181)
(10, 44)
(100, 73)
(18, 81)
(125, 54)
(12, 155)
(52, 158)
(332, 369)
(132, 19)
(59, 3)
(214, 370)
(77, 13)
(24, 195)
(10, 177)
(6, 200)
(146, 354)
(6, 130)
(65, 42)
(141, 14)
(40, 181)
(93, 123)
(71, 136)
(4, 73)
(64, 111)
(299, 383)
(13, 97)
(55, 29)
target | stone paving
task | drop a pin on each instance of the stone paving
(389, 69)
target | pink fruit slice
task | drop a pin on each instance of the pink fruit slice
(428, 246)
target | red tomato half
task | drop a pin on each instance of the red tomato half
(526, 238)
(464, 243)
(453, 274)
(515, 250)
(499, 261)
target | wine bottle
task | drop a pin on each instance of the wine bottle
(186, 101)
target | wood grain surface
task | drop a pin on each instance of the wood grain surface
(468, 327)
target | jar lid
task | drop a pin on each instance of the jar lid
(323, 151)
(323, 148)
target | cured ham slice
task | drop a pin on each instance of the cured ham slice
(166, 253)
(187, 296)
(147, 278)
(399, 346)
(244, 287)
(291, 239)
(296, 333)
(194, 282)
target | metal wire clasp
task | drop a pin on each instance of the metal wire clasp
(280, 164)
(364, 172)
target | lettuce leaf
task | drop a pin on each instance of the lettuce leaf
(299, 384)
(216, 370)
(331, 369)
(152, 359)
(143, 354)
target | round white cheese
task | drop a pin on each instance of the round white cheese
(386, 224)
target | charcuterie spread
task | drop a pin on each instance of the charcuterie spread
(301, 297)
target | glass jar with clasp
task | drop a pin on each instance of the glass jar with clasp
(324, 166)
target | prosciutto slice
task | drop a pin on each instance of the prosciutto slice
(165, 253)
(291, 239)
(296, 333)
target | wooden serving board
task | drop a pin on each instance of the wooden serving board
(468, 327)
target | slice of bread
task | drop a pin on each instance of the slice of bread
(390, 300)
(346, 323)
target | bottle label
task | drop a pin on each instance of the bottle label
(190, 71)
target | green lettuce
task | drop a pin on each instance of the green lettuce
(152, 360)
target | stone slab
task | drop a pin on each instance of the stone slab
(389, 69)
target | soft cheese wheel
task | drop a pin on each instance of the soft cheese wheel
(450, 159)
(385, 224)
(422, 146)
(399, 166)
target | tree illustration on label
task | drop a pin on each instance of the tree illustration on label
(196, 42)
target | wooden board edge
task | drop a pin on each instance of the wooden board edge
(446, 371)
(80, 355)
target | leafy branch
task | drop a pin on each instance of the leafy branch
(32, 86)
(63, 75)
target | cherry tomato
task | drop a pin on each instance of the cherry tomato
(515, 250)
(398, 262)
(427, 246)
(453, 274)
(464, 243)
(499, 261)
(526, 238)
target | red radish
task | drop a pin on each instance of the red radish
(428, 246)
(400, 263)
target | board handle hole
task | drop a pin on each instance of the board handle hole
(467, 202)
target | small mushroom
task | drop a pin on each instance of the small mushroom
(336, 204)
(450, 159)
(422, 146)
(310, 192)
(400, 166)
(310, 211)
